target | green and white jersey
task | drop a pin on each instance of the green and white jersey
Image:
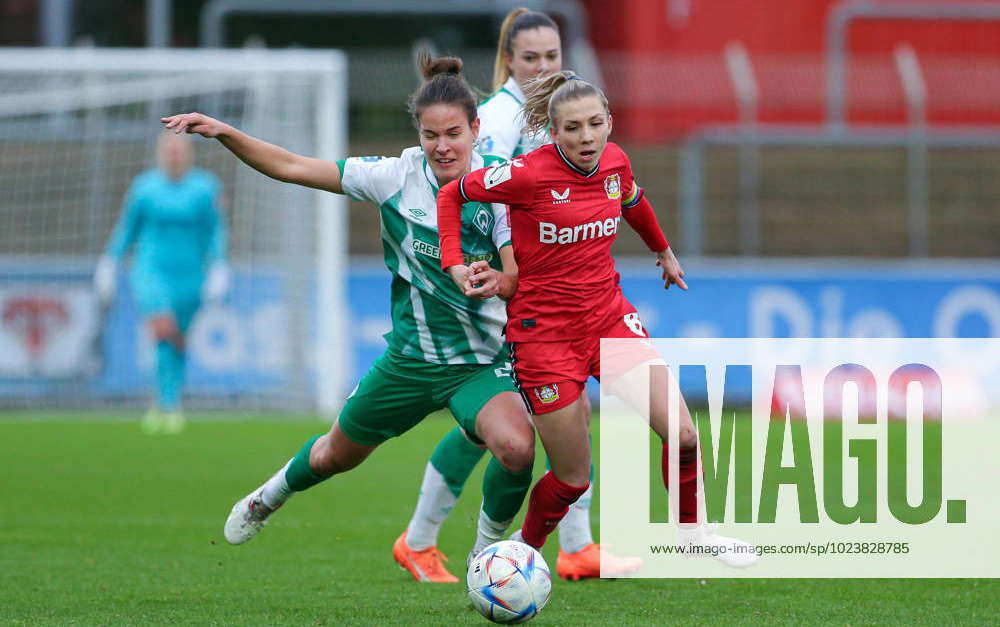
(501, 125)
(432, 319)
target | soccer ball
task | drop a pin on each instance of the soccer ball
(509, 582)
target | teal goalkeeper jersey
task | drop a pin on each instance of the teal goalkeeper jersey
(431, 319)
(175, 225)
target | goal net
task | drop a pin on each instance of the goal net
(76, 126)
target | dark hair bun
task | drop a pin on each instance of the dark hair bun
(431, 67)
(443, 83)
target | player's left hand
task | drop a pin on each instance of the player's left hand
(672, 271)
(481, 281)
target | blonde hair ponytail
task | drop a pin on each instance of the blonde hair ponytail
(544, 95)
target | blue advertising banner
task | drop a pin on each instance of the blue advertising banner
(49, 319)
(778, 298)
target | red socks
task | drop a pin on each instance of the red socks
(551, 498)
(549, 502)
(687, 482)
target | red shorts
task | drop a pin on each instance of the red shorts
(551, 375)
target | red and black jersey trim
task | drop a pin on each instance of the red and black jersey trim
(517, 383)
(573, 167)
(461, 188)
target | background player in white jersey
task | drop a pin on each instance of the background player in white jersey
(528, 47)
(445, 350)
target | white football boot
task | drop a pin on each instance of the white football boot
(247, 518)
(732, 552)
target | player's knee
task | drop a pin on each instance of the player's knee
(516, 453)
(164, 328)
(688, 437)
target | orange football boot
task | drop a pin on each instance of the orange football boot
(426, 565)
(586, 563)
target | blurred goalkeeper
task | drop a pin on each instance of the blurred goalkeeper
(172, 214)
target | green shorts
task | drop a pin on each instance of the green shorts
(398, 392)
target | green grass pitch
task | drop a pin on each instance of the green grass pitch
(101, 524)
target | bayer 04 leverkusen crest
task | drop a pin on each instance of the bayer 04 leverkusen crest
(547, 393)
(613, 186)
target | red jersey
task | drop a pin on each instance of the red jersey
(563, 222)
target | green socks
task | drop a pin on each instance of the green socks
(455, 457)
(299, 475)
(504, 491)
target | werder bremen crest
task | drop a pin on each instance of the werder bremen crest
(483, 221)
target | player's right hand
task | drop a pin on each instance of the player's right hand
(197, 123)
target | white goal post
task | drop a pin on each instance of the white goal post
(76, 125)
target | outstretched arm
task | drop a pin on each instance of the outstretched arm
(273, 161)
(642, 219)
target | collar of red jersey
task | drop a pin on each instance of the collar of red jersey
(572, 166)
